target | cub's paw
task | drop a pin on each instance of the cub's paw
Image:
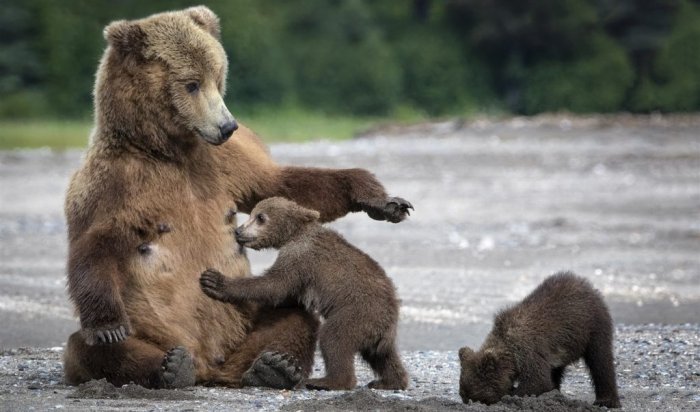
(111, 333)
(393, 209)
(387, 385)
(213, 283)
(273, 370)
(177, 368)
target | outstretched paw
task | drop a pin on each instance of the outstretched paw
(273, 370)
(213, 284)
(113, 333)
(178, 368)
(393, 209)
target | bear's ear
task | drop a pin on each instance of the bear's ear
(125, 36)
(206, 19)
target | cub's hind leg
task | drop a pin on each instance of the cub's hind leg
(388, 367)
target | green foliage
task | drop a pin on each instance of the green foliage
(259, 71)
(437, 75)
(595, 81)
(678, 64)
(380, 58)
(343, 63)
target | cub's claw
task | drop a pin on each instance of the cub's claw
(212, 283)
(273, 370)
(177, 368)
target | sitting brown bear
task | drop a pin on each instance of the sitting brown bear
(319, 269)
(532, 343)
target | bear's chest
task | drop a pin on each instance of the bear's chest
(200, 232)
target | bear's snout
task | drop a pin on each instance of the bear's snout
(227, 129)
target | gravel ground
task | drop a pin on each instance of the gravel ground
(499, 206)
(657, 370)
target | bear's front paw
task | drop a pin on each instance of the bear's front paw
(213, 283)
(110, 333)
(393, 209)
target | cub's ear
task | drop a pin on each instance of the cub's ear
(465, 354)
(206, 19)
(125, 36)
(309, 215)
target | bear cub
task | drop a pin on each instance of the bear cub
(562, 320)
(318, 268)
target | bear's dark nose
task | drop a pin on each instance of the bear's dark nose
(237, 232)
(227, 129)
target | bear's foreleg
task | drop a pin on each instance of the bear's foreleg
(94, 288)
(337, 192)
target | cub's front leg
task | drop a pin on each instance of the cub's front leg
(261, 289)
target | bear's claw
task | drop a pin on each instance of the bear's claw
(393, 209)
(273, 370)
(110, 334)
(178, 368)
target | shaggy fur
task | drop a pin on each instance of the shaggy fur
(318, 268)
(532, 343)
(160, 153)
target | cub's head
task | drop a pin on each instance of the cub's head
(486, 375)
(273, 222)
(164, 76)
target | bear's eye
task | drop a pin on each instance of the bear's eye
(260, 218)
(192, 87)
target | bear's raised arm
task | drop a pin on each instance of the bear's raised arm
(335, 192)
(94, 287)
(332, 192)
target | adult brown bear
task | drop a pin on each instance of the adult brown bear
(153, 206)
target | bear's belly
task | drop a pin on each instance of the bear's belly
(163, 299)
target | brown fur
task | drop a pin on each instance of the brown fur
(562, 320)
(159, 154)
(318, 268)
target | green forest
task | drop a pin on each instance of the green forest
(361, 57)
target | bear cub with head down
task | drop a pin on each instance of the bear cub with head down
(321, 270)
(562, 320)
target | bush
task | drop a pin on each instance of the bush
(595, 81)
(259, 72)
(437, 76)
(342, 62)
(24, 104)
(677, 66)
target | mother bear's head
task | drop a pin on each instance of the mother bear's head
(162, 80)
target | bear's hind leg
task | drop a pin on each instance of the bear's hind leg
(277, 353)
(388, 367)
(132, 360)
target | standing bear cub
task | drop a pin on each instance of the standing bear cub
(561, 321)
(322, 271)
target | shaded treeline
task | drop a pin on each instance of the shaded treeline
(375, 57)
